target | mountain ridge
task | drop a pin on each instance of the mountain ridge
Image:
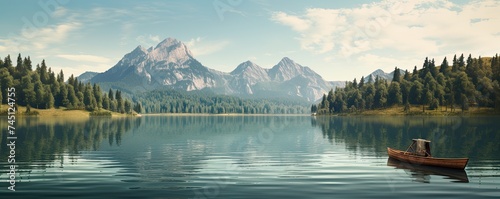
(170, 64)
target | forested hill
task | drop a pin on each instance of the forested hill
(466, 82)
(41, 88)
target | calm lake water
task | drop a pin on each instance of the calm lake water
(249, 157)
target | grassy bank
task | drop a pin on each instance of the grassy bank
(59, 113)
(417, 110)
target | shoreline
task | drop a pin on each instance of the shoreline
(60, 113)
(417, 111)
(219, 114)
(391, 111)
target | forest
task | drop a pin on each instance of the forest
(41, 88)
(467, 82)
(173, 101)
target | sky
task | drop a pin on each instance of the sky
(340, 40)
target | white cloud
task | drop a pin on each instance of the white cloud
(33, 38)
(296, 23)
(193, 41)
(148, 40)
(198, 46)
(59, 12)
(85, 58)
(419, 28)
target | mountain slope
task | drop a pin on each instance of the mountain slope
(171, 65)
(87, 76)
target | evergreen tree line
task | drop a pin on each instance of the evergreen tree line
(172, 101)
(464, 83)
(43, 89)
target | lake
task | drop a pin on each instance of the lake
(249, 157)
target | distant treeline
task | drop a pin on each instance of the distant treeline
(43, 89)
(464, 83)
(172, 101)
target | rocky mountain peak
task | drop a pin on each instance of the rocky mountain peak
(286, 69)
(245, 67)
(287, 61)
(170, 50)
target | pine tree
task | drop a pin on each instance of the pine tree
(73, 101)
(44, 75)
(7, 63)
(329, 101)
(19, 67)
(88, 98)
(461, 63)
(395, 97)
(119, 102)
(48, 98)
(98, 95)
(444, 68)
(27, 93)
(415, 74)
(105, 103)
(128, 106)
(71, 80)
(397, 75)
(111, 95)
(380, 98)
(407, 76)
(455, 65)
(433, 69)
(6, 81)
(361, 82)
(60, 77)
(62, 97)
(416, 93)
(314, 108)
(1, 97)
(39, 93)
(138, 107)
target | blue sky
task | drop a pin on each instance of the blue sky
(341, 40)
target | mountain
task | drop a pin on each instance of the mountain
(245, 76)
(287, 78)
(298, 80)
(171, 65)
(87, 76)
(381, 74)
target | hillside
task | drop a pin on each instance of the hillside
(466, 83)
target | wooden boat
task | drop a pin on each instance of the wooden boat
(421, 173)
(419, 153)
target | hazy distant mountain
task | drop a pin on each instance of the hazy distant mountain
(87, 76)
(171, 65)
(381, 74)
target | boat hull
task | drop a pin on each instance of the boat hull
(453, 163)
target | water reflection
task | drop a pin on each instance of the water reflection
(473, 137)
(41, 142)
(253, 156)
